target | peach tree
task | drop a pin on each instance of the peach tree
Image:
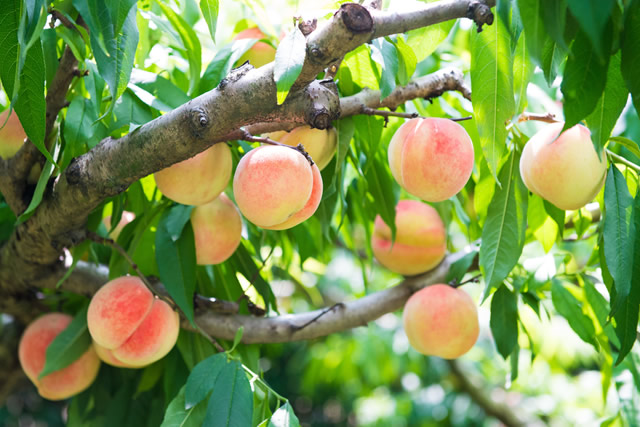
(130, 130)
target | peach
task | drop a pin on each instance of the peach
(431, 158)
(441, 321)
(12, 135)
(133, 326)
(565, 169)
(421, 241)
(125, 219)
(197, 180)
(276, 188)
(319, 143)
(66, 382)
(217, 228)
(260, 53)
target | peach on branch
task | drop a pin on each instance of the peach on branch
(130, 324)
(197, 180)
(276, 188)
(563, 168)
(431, 158)
(421, 241)
(217, 228)
(440, 320)
(12, 135)
(32, 350)
(319, 143)
(260, 53)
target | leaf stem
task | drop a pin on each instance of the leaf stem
(616, 158)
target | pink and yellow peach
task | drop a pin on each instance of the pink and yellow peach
(276, 188)
(563, 168)
(431, 158)
(197, 180)
(441, 321)
(420, 239)
(260, 53)
(32, 349)
(129, 325)
(12, 135)
(319, 143)
(217, 228)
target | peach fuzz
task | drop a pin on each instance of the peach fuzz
(431, 158)
(131, 325)
(442, 321)
(421, 241)
(217, 228)
(197, 180)
(319, 143)
(260, 53)
(564, 169)
(12, 135)
(66, 382)
(273, 183)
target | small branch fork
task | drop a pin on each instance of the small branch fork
(246, 135)
(386, 114)
(546, 117)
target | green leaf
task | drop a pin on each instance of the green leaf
(554, 16)
(536, 35)
(10, 14)
(492, 87)
(522, 71)
(459, 268)
(593, 15)
(552, 57)
(628, 144)
(231, 403)
(504, 229)
(619, 234)
(192, 48)
(210, 10)
(504, 320)
(627, 315)
(384, 54)
(583, 81)
(629, 42)
(68, 346)
(203, 378)
(222, 63)
(424, 41)
(237, 339)
(570, 308)
(406, 61)
(244, 264)
(609, 107)
(289, 60)
(177, 415)
(380, 184)
(284, 417)
(176, 259)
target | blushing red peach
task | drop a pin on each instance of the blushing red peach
(319, 143)
(32, 349)
(431, 158)
(421, 240)
(197, 180)
(127, 320)
(275, 187)
(217, 228)
(12, 135)
(442, 321)
(260, 53)
(563, 168)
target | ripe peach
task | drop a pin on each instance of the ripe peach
(12, 135)
(441, 321)
(319, 143)
(421, 241)
(32, 350)
(276, 188)
(260, 53)
(217, 228)
(126, 218)
(197, 180)
(431, 158)
(127, 320)
(565, 169)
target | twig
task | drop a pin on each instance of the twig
(455, 283)
(619, 159)
(322, 313)
(266, 140)
(547, 117)
(386, 114)
(56, 14)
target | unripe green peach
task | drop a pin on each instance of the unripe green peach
(440, 320)
(127, 320)
(275, 187)
(431, 158)
(319, 143)
(197, 180)
(217, 228)
(260, 53)
(32, 350)
(421, 240)
(564, 169)
(12, 135)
